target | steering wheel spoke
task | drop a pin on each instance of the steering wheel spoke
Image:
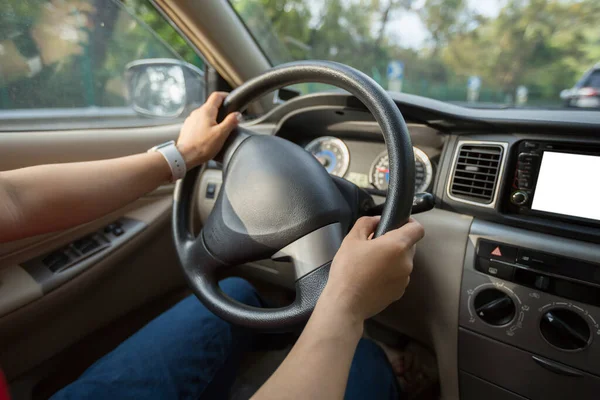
(312, 250)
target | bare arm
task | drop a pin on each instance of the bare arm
(366, 276)
(319, 364)
(47, 198)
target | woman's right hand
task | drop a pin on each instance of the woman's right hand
(368, 274)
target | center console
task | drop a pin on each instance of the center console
(556, 181)
(529, 310)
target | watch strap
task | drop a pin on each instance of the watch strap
(173, 157)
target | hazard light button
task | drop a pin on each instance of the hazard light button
(497, 251)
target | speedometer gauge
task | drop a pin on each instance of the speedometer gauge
(332, 153)
(380, 171)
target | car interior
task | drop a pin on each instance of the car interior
(505, 291)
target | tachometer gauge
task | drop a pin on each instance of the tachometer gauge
(332, 153)
(380, 171)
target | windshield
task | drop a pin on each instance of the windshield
(477, 53)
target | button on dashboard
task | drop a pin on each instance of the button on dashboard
(525, 166)
(529, 158)
(524, 183)
(495, 268)
(522, 174)
(497, 251)
(535, 258)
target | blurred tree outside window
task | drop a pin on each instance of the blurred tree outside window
(544, 46)
(73, 53)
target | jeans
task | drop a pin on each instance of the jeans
(189, 353)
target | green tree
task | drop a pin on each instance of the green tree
(542, 44)
(443, 20)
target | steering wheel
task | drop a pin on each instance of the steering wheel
(278, 201)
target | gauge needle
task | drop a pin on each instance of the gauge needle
(381, 169)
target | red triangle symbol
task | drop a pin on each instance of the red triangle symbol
(497, 252)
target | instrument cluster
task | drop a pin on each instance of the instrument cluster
(334, 155)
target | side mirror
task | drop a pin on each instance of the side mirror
(164, 88)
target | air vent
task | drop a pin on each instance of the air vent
(476, 171)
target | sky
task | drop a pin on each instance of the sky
(406, 26)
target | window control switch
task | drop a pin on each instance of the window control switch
(55, 261)
(112, 227)
(86, 244)
(211, 190)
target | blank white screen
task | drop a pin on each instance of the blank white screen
(568, 184)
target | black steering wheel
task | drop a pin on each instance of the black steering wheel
(278, 201)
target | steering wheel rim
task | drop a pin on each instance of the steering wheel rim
(198, 257)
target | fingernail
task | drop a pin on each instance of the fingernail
(239, 116)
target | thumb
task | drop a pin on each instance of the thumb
(229, 123)
(364, 226)
(409, 234)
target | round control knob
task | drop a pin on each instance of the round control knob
(519, 198)
(565, 329)
(494, 307)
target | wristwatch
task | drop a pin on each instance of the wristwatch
(173, 157)
(29, 50)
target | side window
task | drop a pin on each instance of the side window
(594, 80)
(72, 54)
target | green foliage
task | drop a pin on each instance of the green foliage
(545, 45)
(147, 14)
(119, 32)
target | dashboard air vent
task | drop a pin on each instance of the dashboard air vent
(476, 172)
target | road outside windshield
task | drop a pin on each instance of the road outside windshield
(478, 53)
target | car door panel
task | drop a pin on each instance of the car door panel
(38, 322)
(123, 280)
(24, 149)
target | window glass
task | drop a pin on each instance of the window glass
(475, 53)
(594, 80)
(72, 54)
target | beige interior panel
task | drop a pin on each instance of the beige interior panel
(232, 51)
(429, 309)
(17, 288)
(147, 209)
(144, 269)
(79, 145)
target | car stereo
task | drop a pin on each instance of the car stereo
(559, 180)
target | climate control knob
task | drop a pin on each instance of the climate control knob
(565, 329)
(494, 307)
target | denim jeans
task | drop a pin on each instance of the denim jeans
(189, 353)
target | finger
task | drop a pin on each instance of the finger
(211, 107)
(364, 227)
(407, 235)
(215, 99)
(229, 123)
